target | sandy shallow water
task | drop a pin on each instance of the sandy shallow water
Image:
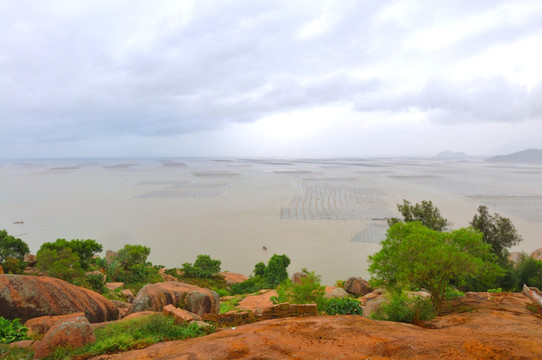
(326, 215)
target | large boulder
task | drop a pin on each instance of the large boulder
(74, 332)
(537, 254)
(336, 292)
(357, 286)
(185, 296)
(27, 297)
(233, 278)
(515, 257)
(296, 277)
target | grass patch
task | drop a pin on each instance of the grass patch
(7, 353)
(133, 334)
(230, 304)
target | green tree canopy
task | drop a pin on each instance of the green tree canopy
(425, 213)
(204, 267)
(84, 249)
(12, 247)
(498, 231)
(130, 264)
(275, 272)
(61, 263)
(414, 256)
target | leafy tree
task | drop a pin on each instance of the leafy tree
(204, 267)
(529, 272)
(414, 256)
(275, 272)
(12, 247)
(308, 291)
(84, 249)
(425, 213)
(130, 264)
(259, 269)
(498, 231)
(61, 263)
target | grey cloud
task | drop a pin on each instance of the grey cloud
(96, 69)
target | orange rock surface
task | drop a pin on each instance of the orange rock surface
(258, 302)
(480, 326)
(233, 278)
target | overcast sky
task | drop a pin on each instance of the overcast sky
(269, 78)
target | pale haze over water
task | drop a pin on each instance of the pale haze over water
(326, 215)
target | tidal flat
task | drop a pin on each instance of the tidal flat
(327, 215)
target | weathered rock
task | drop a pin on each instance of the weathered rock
(109, 255)
(114, 285)
(423, 294)
(127, 294)
(166, 277)
(189, 297)
(296, 277)
(537, 254)
(22, 344)
(27, 297)
(373, 305)
(233, 278)
(124, 308)
(180, 315)
(74, 331)
(357, 286)
(369, 297)
(257, 303)
(336, 292)
(128, 317)
(515, 257)
(1, 269)
(30, 259)
(500, 328)
(42, 324)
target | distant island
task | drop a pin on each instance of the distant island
(451, 154)
(525, 156)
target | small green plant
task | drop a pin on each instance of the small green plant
(344, 306)
(251, 285)
(308, 291)
(498, 290)
(401, 308)
(452, 292)
(339, 283)
(12, 330)
(230, 304)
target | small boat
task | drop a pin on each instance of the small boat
(18, 222)
(264, 248)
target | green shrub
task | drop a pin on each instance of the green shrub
(530, 272)
(452, 293)
(308, 291)
(344, 306)
(60, 263)
(251, 285)
(11, 247)
(401, 308)
(204, 267)
(12, 330)
(275, 272)
(134, 334)
(498, 290)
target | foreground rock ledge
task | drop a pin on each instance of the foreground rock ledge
(488, 327)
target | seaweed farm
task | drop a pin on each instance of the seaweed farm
(335, 201)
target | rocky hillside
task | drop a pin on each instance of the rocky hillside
(479, 326)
